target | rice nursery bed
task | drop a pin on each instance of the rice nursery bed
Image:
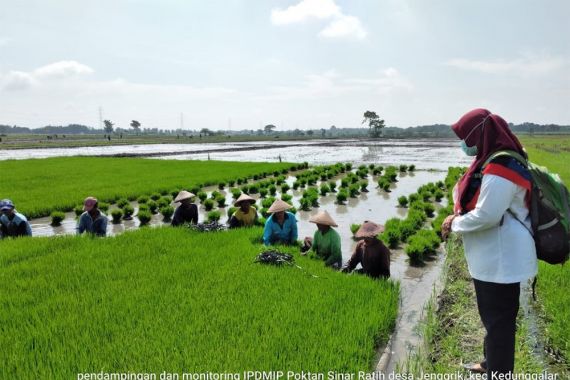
(40, 186)
(171, 299)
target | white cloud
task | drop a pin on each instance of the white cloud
(320, 9)
(62, 69)
(345, 26)
(525, 66)
(340, 25)
(17, 80)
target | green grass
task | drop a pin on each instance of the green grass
(39, 186)
(174, 300)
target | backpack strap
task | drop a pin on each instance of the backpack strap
(506, 153)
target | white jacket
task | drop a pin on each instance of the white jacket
(498, 252)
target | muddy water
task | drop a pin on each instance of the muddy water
(423, 153)
(416, 283)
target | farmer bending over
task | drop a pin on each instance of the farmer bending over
(370, 252)
(92, 221)
(187, 212)
(281, 226)
(246, 214)
(12, 223)
(326, 241)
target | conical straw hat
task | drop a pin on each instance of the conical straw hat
(244, 198)
(369, 229)
(323, 217)
(278, 206)
(183, 195)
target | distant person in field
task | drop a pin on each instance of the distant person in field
(492, 215)
(281, 226)
(12, 223)
(92, 221)
(246, 214)
(187, 212)
(370, 252)
(325, 243)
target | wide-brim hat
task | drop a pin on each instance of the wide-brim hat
(244, 198)
(6, 204)
(323, 217)
(89, 203)
(183, 195)
(369, 229)
(279, 206)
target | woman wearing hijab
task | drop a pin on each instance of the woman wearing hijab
(492, 215)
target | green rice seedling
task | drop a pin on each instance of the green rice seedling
(202, 196)
(312, 180)
(284, 171)
(341, 197)
(174, 192)
(332, 186)
(305, 204)
(426, 196)
(231, 182)
(362, 167)
(403, 201)
(417, 218)
(162, 202)
(253, 188)
(57, 217)
(78, 210)
(411, 168)
(363, 186)
(431, 238)
(353, 190)
(407, 228)
(144, 207)
(440, 185)
(280, 180)
(117, 215)
(235, 192)
(324, 176)
(122, 202)
(293, 210)
(377, 171)
(296, 185)
(194, 189)
(144, 217)
(415, 252)
(245, 189)
(403, 168)
(286, 197)
(429, 209)
(163, 192)
(331, 174)
(128, 212)
(267, 202)
(221, 201)
(263, 192)
(438, 195)
(285, 188)
(152, 206)
(272, 190)
(371, 166)
(392, 235)
(167, 212)
(256, 177)
(209, 204)
(348, 166)
(413, 197)
(231, 211)
(142, 199)
(214, 216)
(239, 181)
(354, 228)
(324, 189)
(155, 196)
(354, 179)
(344, 183)
(103, 206)
(215, 194)
(221, 185)
(362, 173)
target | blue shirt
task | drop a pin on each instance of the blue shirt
(18, 226)
(97, 226)
(274, 233)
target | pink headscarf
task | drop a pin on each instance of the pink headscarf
(492, 134)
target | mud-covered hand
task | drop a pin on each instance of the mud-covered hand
(446, 226)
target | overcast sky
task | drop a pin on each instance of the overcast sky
(293, 63)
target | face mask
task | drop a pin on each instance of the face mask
(471, 150)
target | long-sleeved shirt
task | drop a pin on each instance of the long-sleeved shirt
(275, 233)
(327, 247)
(374, 258)
(18, 225)
(497, 246)
(241, 219)
(96, 226)
(185, 214)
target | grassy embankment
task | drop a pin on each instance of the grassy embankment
(39, 186)
(453, 335)
(174, 300)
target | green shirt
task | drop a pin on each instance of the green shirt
(327, 246)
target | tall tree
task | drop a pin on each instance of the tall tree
(108, 126)
(136, 126)
(269, 128)
(375, 124)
